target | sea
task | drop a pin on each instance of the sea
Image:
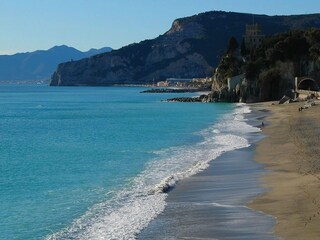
(99, 162)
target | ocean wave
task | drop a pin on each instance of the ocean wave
(132, 208)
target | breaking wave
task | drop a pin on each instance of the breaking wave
(132, 208)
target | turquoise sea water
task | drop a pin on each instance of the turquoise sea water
(89, 163)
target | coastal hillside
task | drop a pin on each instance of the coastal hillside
(268, 72)
(192, 47)
(39, 65)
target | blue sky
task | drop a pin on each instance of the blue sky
(28, 25)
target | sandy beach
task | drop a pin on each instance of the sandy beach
(292, 154)
(212, 203)
(286, 165)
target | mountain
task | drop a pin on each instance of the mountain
(39, 65)
(191, 48)
(94, 51)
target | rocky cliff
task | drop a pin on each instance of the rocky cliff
(268, 72)
(191, 48)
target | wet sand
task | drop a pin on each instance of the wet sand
(212, 204)
(291, 151)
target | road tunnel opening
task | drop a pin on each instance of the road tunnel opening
(308, 84)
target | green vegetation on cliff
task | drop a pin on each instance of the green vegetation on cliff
(296, 46)
(270, 69)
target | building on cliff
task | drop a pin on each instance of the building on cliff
(253, 37)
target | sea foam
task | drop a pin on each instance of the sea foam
(132, 208)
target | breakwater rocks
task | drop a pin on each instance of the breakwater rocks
(174, 90)
(201, 98)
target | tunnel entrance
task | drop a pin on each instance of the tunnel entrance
(308, 84)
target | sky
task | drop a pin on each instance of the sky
(29, 25)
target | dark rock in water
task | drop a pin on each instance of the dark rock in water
(170, 90)
(190, 49)
(201, 98)
(184, 99)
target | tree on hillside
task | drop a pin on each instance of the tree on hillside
(270, 84)
(243, 48)
(232, 45)
(251, 70)
(315, 52)
(313, 38)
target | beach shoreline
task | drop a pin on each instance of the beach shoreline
(213, 203)
(290, 153)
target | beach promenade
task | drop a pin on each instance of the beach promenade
(291, 152)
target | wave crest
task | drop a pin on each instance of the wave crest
(132, 208)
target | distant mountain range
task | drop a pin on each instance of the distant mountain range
(191, 48)
(39, 65)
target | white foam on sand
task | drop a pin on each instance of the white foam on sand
(131, 209)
